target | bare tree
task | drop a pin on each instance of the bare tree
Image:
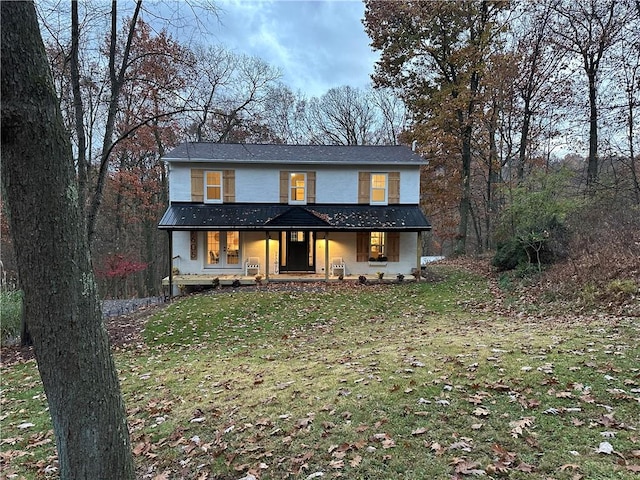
(285, 114)
(70, 342)
(627, 75)
(230, 92)
(393, 116)
(342, 116)
(588, 29)
(539, 67)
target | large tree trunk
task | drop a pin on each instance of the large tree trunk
(464, 207)
(61, 302)
(592, 164)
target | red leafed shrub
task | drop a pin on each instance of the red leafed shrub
(117, 273)
(119, 266)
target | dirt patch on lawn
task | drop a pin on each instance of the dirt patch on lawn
(123, 330)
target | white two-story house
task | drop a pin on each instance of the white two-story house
(243, 209)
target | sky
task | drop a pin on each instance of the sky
(317, 44)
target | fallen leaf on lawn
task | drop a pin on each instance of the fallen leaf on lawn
(339, 455)
(437, 448)
(142, 447)
(389, 443)
(605, 447)
(355, 461)
(572, 466)
(419, 431)
(284, 385)
(304, 422)
(24, 425)
(525, 467)
(467, 467)
(481, 412)
(461, 445)
(249, 476)
(518, 426)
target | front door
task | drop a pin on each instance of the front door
(297, 252)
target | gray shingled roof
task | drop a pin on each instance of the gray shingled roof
(190, 216)
(300, 154)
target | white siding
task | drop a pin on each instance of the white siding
(410, 186)
(261, 184)
(337, 186)
(257, 185)
(180, 183)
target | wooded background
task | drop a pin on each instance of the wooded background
(527, 113)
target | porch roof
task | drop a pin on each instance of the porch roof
(273, 217)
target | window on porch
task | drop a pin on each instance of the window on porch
(377, 249)
(378, 246)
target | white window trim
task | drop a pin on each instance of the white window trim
(306, 186)
(386, 189)
(222, 264)
(383, 244)
(214, 200)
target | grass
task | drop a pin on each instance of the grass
(406, 381)
(10, 314)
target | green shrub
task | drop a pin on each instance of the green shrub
(509, 255)
(589, 294)
(531, 228)
(10, 313)
(622, 288)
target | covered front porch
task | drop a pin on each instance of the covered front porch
(244, 245)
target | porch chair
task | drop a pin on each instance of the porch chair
(252, 265)
(337, 267)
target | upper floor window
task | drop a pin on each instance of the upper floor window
(379, 188)
(298, 187)
(213, 186)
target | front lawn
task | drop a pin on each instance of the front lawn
(414, 381)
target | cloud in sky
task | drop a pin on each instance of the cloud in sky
(317, 44)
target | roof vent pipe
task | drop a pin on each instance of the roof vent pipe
(413, 145)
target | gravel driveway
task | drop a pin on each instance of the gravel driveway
(115, 308)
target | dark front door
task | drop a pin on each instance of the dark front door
(297, 255)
